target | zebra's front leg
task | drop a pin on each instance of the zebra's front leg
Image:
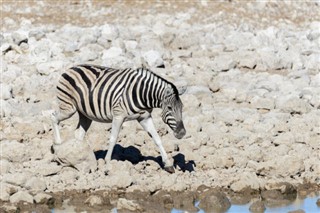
(116, 126)
(148, 126)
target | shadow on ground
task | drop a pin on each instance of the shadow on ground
(134, 156)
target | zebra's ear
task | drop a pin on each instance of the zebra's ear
(182, 90)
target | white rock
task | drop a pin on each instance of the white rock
(14, 151)
(76, 153)
(5, 165)
(35, 184)
(262, 103)
(223, 63)
(130, 45)
(111, 53)
(5, 109)
(246, 179)
(42, 198)
(4, 195)
(88, 54)
(153, 58)
(21, 196)
(128, 205)
(292, 105)
(6, 91)
(109, 32)
(49, 67)
(94, 200)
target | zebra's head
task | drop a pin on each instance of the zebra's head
(172, 111)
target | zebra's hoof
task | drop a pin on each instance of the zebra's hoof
(169, 169)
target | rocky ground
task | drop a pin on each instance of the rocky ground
(251, 108)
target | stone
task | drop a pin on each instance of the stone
(17, 179)
(89, 53)
(112, 52)
(153, 58)
(48, 169)
(14, 151)
(278, 193)
(262, 103)
(37, 34)
(130, 205)
(4, 195)
(6, 91)
(292, 105)
(246, 179)
(318, 202)
(214, 201)
(94, 200)
(47, 68)
(35, 184)
(21, 196)
(76, 153)
(109, 32)
(5, 166)
(223, 63)
(257, 207)
(42, 198)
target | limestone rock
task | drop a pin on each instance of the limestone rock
(257, 207)
(214, 201)
(153, 58)
(128, 205)
(42, 198)
(35, 184)
(223, 63)
(76, 153)
(21, 196)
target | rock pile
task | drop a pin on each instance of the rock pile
(251, 109)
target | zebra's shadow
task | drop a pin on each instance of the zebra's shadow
(133, 155)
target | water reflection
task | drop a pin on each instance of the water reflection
(307, 204)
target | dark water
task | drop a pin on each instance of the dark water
(308, 205)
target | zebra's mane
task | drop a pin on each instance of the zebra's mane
(175, 90)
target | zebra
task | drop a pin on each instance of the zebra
(115, 96)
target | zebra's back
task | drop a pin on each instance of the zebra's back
(92, 90)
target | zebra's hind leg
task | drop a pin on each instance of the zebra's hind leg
(57, 117)
(83, 126)
(148, 126)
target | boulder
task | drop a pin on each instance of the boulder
(76, 153)
(223, 63)
(130, 205)
(42, 198)
(153, 58)
(214, 201)
(35, 184)
(257, 207)
(47, 68)
(14, 151)
(5, 166)
(21, 196)
(6, 91)
(94, 200)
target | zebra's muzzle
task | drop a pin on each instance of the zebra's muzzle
(180, 131)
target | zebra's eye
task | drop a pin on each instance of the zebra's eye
(170, 108)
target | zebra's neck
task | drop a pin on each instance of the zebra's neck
(148, 91)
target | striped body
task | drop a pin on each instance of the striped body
(99, 93)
